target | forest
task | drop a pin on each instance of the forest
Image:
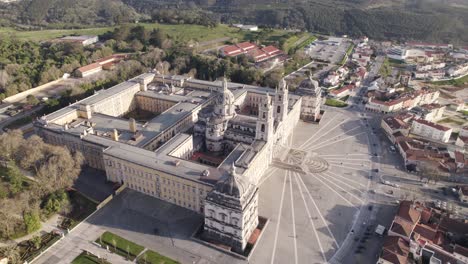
(33, 179)
(428, 20)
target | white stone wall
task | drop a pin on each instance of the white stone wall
(430, 132)
(167, 187)
(118, 104)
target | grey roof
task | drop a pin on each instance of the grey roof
(165, 120)
(104, 94)
(158, 161)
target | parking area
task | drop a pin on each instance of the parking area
(331, 50)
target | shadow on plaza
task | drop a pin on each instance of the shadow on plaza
(93, 183)
(142, 217)
(333, 140)
(341, 219)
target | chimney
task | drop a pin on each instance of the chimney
(115, 135)
(143, 85)
(132, 123)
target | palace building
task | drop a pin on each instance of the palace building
(198, 144)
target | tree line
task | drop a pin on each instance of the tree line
(25, 201)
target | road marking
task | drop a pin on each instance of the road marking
(344, 178)
(267, 177)
(321, 146)
(293, 218)
(333, 190)
(317, 208)
(291, 138)
(320, 129)
(339, 187)
(345, 155)
(315, 140)
(310, 219)
(331, 139)
(351, 164)
(342, 182)
(332, 159)
(279, 220)
(348, 167)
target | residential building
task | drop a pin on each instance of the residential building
(258, 54)
(343, 91)
(83, 40)
(423, 234)
(431, 130)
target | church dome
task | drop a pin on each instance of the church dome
(234, 185)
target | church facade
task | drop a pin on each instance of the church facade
(205, 146)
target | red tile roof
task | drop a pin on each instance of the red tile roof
(408, 212)
(271, 50)
(246, 46)
(433, 125)
(402, 227)
(231, 50)
(395, 250)
(90, 67)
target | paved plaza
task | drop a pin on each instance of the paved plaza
(312, 195)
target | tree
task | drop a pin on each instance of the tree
(12, 253)
(32, 100)
(10, 142)
(32, 221)
(157, 38)
(136, 45)
(36, 240)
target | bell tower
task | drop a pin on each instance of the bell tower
(280, 103)
(265, 120)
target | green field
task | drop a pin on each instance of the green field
(151, 257)
(463, 81)
(335, 103)
(177, 32)
(84, 258)
(122, 246)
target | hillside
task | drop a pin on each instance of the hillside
(425, 20)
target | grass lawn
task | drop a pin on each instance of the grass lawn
(154, 258)
(87, 258)
(450, 120)
(178, 32)
(464, 112)
(123, 247)
(335, 103)
(463, 81)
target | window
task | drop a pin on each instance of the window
(263, 128)
(264, 115)
(278, 110)
(222, 216)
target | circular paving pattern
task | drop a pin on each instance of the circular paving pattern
(316, 164)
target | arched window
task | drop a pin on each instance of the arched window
(278, 110)
(263, 128)
(223, 217)
(264, 115)
(279, 98)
